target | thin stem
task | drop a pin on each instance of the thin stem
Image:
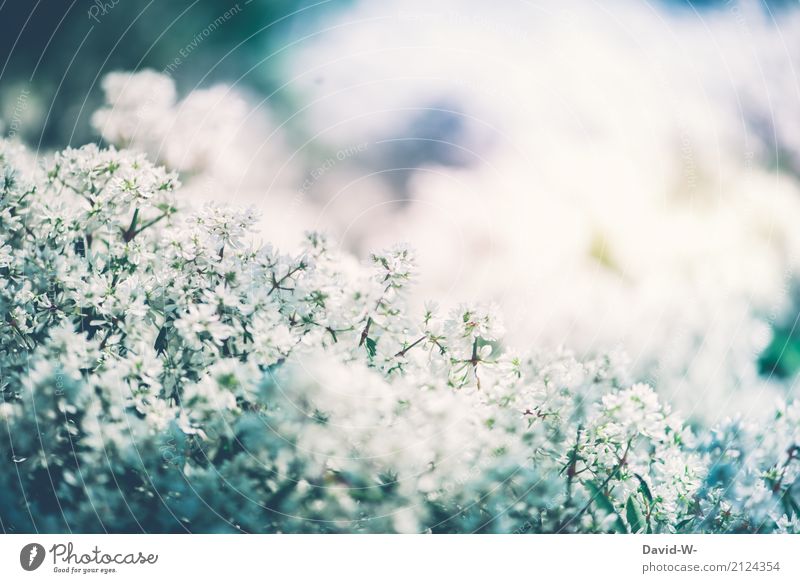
(365, 331)
(276, 284)
(409, 347)
(150, 223)
(130, 232)
(573, 464)
(608, 479)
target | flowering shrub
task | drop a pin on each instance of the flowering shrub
(162, 372)
(718, 310)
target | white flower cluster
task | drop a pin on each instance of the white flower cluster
(144, 113)
(163, 373)
(213, 131)
(666, 230)
(216, 137)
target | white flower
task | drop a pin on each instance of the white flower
(6, 256)
(225, 225)
(201, 322)
(636, 411)
(476, 321)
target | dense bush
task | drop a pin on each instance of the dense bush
(162, 372)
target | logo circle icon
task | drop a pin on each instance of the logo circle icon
(31, 556)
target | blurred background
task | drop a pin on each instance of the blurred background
(617, 175)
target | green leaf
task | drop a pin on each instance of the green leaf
(644, 488)
(634, 515)
(371, 347)
(790, 506)
(604, 503)
(161, 341)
